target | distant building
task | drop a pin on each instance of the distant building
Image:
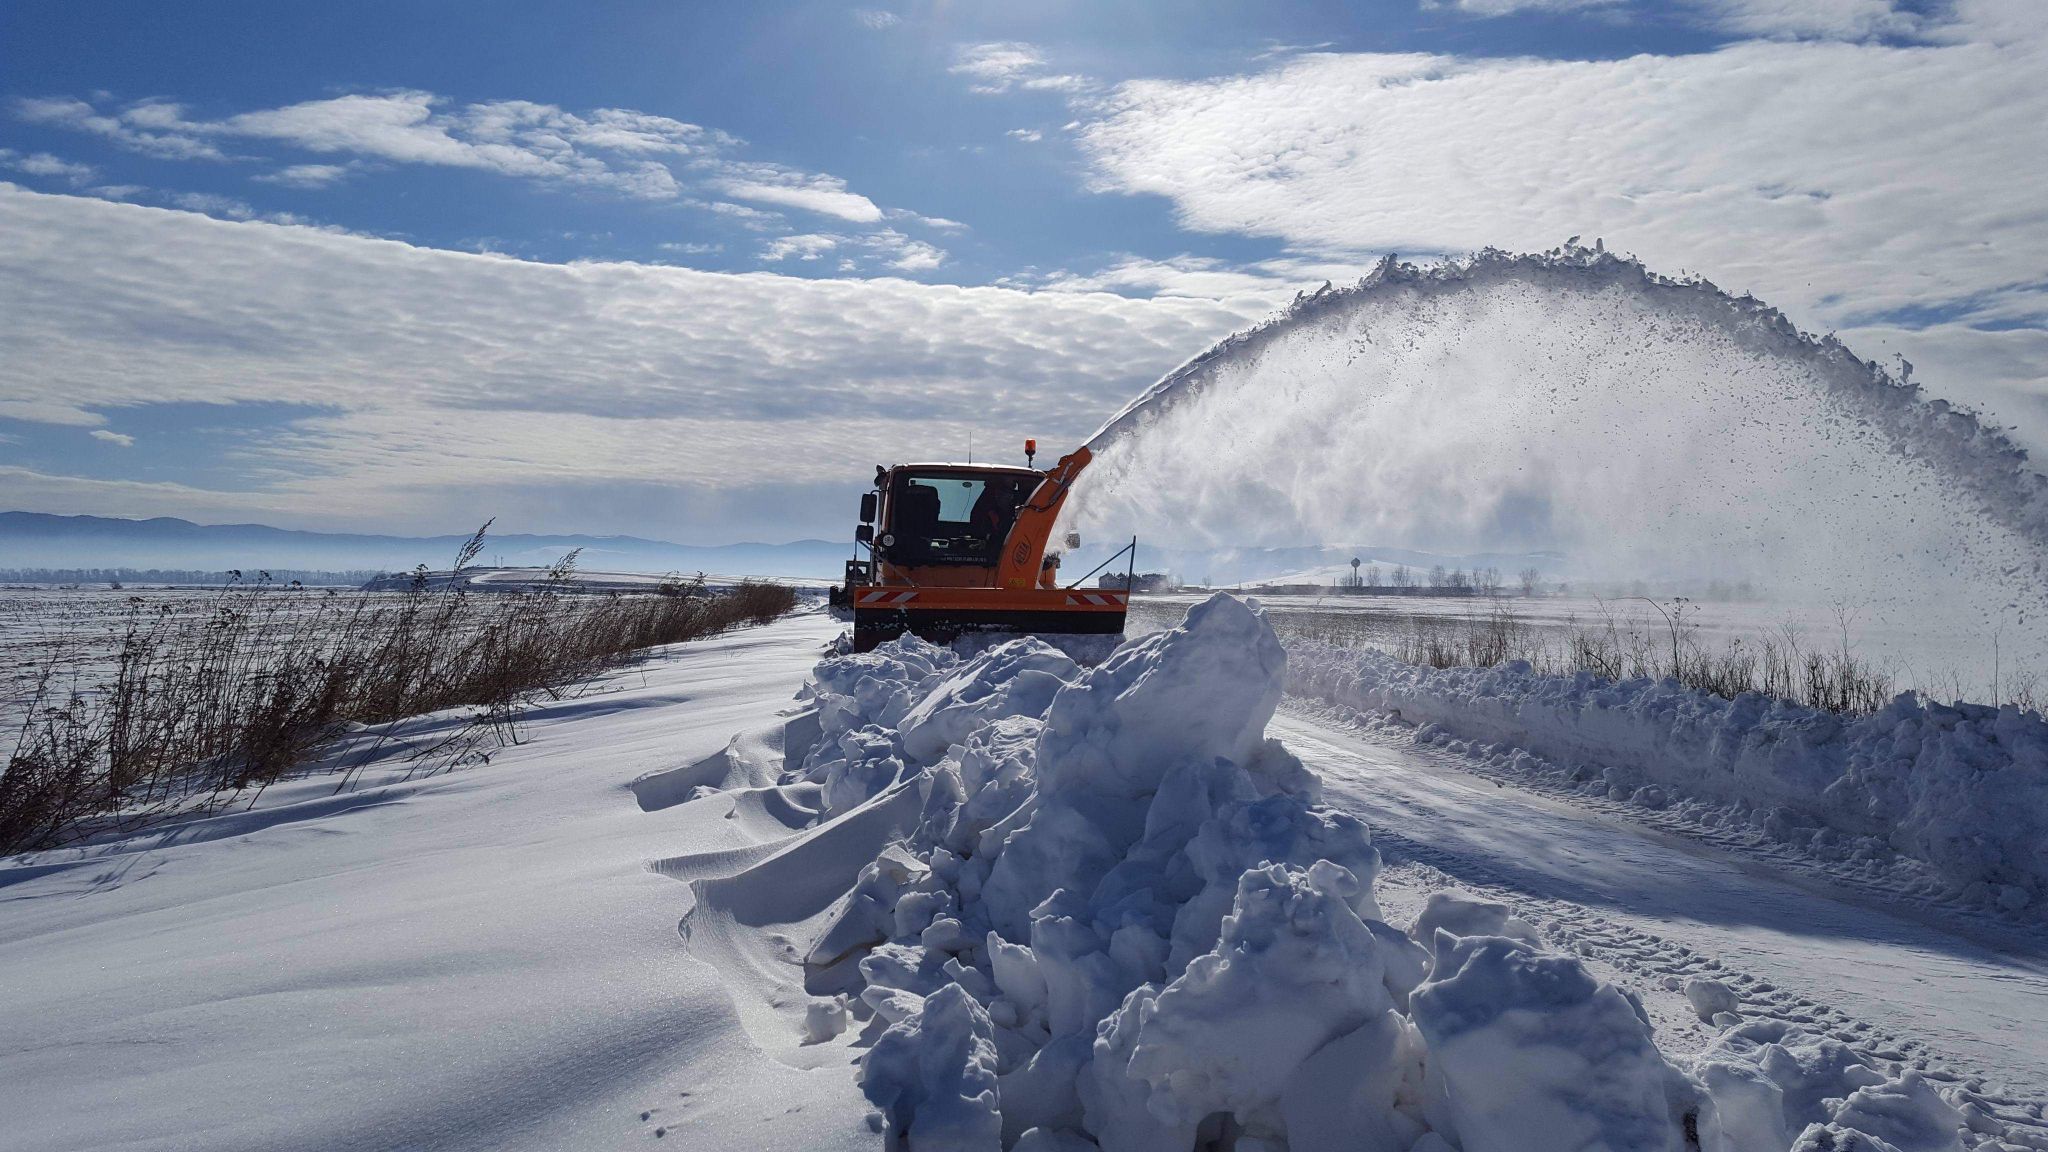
(1142, 582)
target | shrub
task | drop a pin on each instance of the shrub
(191, 711)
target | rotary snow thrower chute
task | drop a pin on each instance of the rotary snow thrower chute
(956, 548)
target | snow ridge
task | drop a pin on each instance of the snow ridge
(1123, 920)
(1961, 787)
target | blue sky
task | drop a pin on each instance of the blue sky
(878, 99)
(677, 269)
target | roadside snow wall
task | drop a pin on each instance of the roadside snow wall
(1962, 787)
(1124, 922)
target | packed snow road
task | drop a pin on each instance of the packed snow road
(1656, 909)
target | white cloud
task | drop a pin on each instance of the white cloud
(127, 129)
(630, 153)
(806, 247)
(44, 164)
(1263, 285)
(118, 438)
(449, 381)
(825, 195)
(876, 19)
(306, 175)
(1844, 182)
(997, 67)
(1490, 8)
(213, 205)
(755, 218)
(1028, 135)
(917, 256)
(1838, 19)
(1832, 19)
(892, 248)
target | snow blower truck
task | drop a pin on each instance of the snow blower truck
(957, 548)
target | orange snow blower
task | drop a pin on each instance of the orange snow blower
(955, 548)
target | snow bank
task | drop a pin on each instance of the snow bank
(1962, 787)
(1124, 921)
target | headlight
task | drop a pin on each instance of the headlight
(888, 539)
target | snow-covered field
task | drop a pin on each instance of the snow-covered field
(992, 901)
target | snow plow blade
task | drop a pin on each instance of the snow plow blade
(884, 612)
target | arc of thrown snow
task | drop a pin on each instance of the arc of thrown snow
(1981, 459)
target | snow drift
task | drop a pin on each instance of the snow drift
(1963, 787)
(1120, 919)
(1574, 401)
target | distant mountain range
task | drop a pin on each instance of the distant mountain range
(38, 540)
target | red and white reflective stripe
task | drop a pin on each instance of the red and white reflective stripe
(886, 597)
(1096, 599)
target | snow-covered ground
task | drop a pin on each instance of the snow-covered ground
(483, 959)
(865, 940)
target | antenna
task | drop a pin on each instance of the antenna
(970, 445)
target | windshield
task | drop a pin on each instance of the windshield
(952, 517)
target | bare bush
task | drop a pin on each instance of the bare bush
(1778, 664)
(196, 709)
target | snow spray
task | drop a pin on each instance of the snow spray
(1649, 428)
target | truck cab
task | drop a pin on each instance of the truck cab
(952, 548)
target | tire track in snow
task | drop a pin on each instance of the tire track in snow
(1479, 854)
(1890, 883)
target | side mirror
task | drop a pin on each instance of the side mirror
(865, 534)
(1073, 540)
(867, 507)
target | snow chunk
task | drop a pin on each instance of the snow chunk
(1770, 1079)
(1015, 678)
(933, 1075)
(1710, 998)
(1295, 968)
(1529, 1052)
